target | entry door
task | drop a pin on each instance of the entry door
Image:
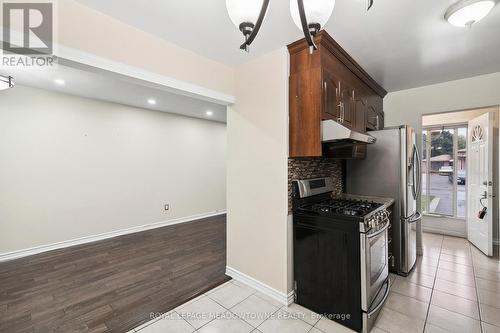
(480, 182)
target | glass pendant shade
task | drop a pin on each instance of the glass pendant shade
(317, 12)
(244, 11)
(466, 13)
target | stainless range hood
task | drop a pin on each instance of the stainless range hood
(341, 142)
(334, 132)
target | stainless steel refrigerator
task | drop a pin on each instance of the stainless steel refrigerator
(392, 169)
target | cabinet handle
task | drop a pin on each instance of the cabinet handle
(378, 122)
(341, 107)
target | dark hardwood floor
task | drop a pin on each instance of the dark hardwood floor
(113, 285)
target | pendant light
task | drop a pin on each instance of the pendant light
(6, 82)
(247, 16)
(467, 12)
(310, 16)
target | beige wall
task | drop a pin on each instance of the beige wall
(257, 171)
(456, 117)
(408, 106)
(74, 167)
(90, 31)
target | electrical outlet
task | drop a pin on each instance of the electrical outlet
(167, 206)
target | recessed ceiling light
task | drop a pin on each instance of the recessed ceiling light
(467, 12)
(6, 82)
(151, 101)
(59, 82)
(210, 113)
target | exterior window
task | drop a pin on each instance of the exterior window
(444, 173)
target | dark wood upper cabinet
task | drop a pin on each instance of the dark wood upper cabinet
(347, 107)
(331, 100)
(375, 114)
(328, 84)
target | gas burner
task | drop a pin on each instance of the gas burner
(345, 207)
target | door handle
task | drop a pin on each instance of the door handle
(374, 311)
(413, 173)
(415, 218)
(340, 119)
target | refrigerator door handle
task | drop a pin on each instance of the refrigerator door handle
(418, 171)
(416, 175)
(414, 180)
(415, 218)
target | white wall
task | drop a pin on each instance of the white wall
(408, 106)
(257, 131)
(91, 31)
(73, 167)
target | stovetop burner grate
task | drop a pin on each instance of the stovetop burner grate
(346, 207)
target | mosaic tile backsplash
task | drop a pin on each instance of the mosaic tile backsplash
(314, 167)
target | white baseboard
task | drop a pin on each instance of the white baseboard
(444, 232)
(89, 239)
(285, 299)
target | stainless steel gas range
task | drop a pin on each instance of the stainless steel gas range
(341, 267)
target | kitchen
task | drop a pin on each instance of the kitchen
(276, 101)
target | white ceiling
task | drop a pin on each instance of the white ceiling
(90, 82)
(401, 43)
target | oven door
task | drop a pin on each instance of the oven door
(374, 264)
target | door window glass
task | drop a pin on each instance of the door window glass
(461, 169)
(441, 172)
(444, 171)
(424, 195)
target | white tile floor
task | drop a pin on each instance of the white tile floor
(454, 288)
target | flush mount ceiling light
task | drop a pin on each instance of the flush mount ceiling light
(247, 16)
(310, 16)
(467, 12)
(6, 82)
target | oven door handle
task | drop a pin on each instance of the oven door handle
(374, 311)
(375, 234)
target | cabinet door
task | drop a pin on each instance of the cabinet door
(347, 112)
(305, 114)
(326, 283)
(375, 114)
(331, 104)
(372, 118)
(381, 121)
(361, 109)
